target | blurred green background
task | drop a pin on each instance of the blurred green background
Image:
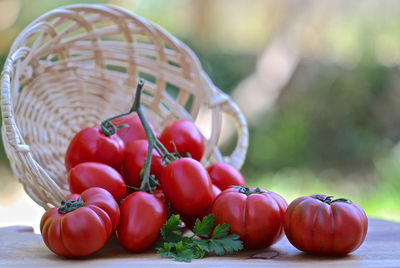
(317, 81)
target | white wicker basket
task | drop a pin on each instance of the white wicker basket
(77, 65)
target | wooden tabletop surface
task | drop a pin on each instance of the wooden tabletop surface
(19, 246)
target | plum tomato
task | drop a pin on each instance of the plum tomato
(186, 137)
(187, 186)
(91, 174)
(191, 220)
(142, 216)
(224, 175)
(134, 130)
(91, 145)
(135, 157)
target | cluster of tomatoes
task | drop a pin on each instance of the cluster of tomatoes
(105, 177)
(116, 187)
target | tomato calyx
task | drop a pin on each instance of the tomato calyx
(108, 128)
(246, 190)
(70, 205)
(330, 199)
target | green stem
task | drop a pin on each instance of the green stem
(70, 205)
(330, 199)
(246, 190)
(148, 181)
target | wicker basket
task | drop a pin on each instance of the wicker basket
(77, 65)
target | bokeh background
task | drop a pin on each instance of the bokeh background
(318, 82)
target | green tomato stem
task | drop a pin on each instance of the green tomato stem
(246, 190)
(149, 181)
(70, 205)
(330, 199)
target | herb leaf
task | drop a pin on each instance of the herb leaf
(220, 231)
(169, 231)
(203, 228)
(184, 249)
(228, 244)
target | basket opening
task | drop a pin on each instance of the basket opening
(189, 104)
(112, 37)
(139, 38)
(147, 77)
(116, 68)
(172, 90)
(173, 63)
(149, 56)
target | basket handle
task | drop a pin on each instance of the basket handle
(44, 185)
(223, 103)
(7, 111)
(230, 108)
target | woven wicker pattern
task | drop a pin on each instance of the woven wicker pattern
(77, 65)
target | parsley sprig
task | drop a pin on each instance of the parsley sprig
(184, 249)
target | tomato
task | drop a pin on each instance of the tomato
(135, 157)
(187, 186)
(85, 230)
(142, 216)
(186, 137)
(255, 214)
(134, 130)
(224, 175)
(191, 220)
(319, 224)
(159, 194)
(90, 145)
(92, 174)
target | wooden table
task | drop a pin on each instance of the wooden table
(19, 246)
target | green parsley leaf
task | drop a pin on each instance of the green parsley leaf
(228, 244)
(203, 228)
(169, 231)
(184, 249)
(220, 231)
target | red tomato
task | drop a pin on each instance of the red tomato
(90, 145)
(159, 194)
(186, 136)
(255, 214)
(135, 157)
(85, 230)
(187, 186)
(134, 131)
(191, 220)
(142, 216)
(321, 225)
(224, 175)
(92, 174)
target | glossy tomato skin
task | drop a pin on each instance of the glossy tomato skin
(187, 186)
(135, 157)
(142, 216)
(224, 175)
(320, 228)
(191, 220)
(159, 194)
(91, 174)
(256, 218)
(186, 136)
(90, 145)
(134, 130)
(81, 232)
